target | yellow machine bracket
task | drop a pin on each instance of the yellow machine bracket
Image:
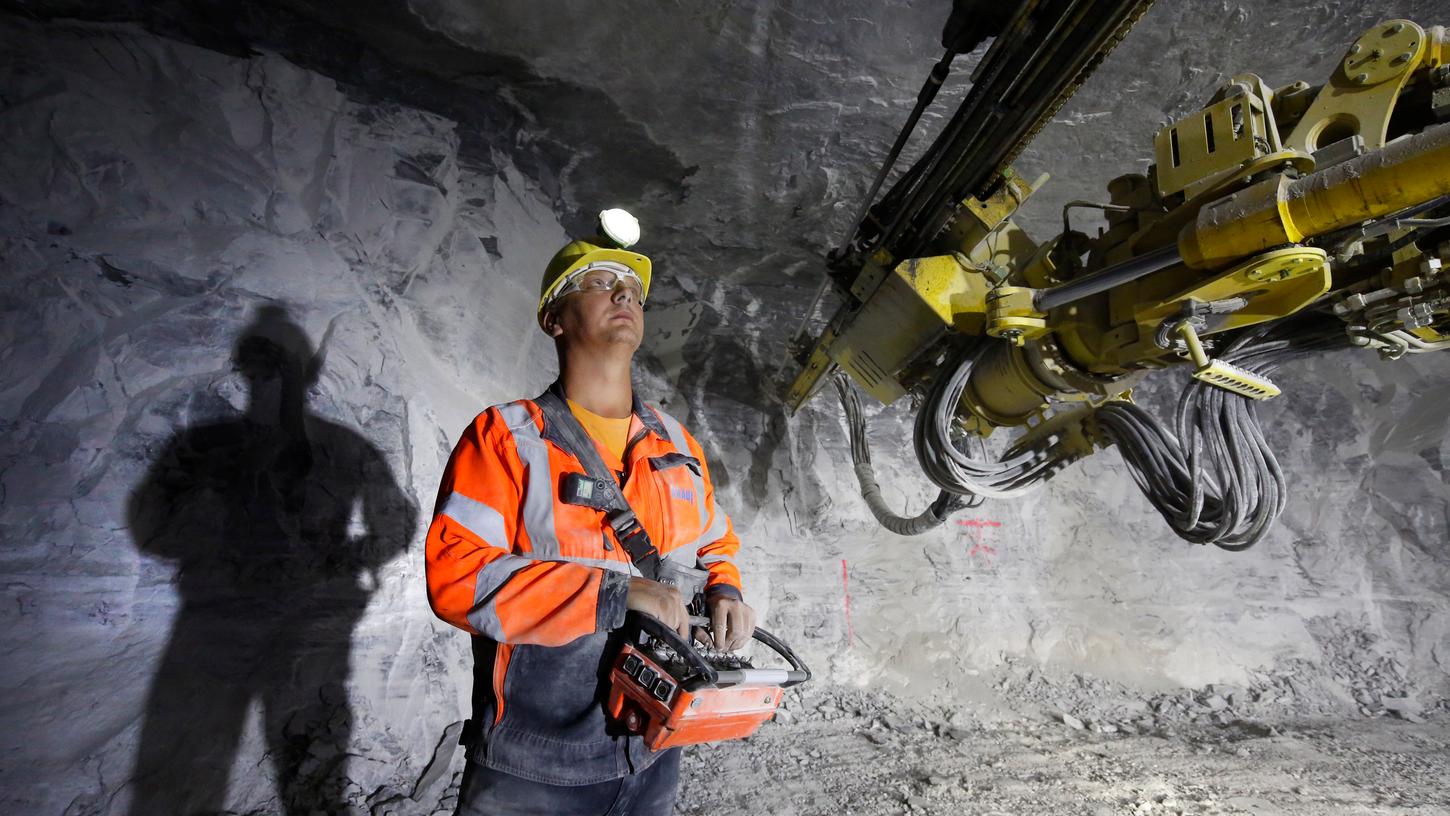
(1224, 375)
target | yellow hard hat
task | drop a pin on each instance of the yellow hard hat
(616, 227)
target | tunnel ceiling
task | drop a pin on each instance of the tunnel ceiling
(744, 134)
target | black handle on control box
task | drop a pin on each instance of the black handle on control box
(799, 673)
(703, 673)
(706, 675)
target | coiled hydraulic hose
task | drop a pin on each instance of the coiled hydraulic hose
(932, 517)
(954, 469)
(1216, 480)
(1213, 477)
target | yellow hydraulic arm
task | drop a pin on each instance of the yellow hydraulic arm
(1275, 222)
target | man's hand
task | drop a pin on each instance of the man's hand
(660, 602)
(732, 622)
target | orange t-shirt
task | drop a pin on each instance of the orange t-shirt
(611, 433)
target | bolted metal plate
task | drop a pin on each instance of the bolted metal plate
(1283, 264)
(1384, 52)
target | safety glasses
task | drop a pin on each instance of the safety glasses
(602, 276)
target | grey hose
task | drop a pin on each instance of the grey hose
(1216, 480)
(1213, 478)
(929, 519)
(955, 470)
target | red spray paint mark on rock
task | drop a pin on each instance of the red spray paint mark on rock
(846, 592)
(979, 530)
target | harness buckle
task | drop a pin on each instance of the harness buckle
(625, 524)
(635, 540)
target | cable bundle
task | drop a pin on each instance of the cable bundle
(954, 469)
(1217, 481)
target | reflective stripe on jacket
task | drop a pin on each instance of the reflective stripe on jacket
(541, 583)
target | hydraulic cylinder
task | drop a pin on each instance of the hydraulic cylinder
(1280, 210)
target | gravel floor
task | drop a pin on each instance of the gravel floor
(846, 752)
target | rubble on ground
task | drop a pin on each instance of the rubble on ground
(1199, 751)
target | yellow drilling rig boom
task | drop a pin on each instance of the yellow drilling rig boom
(1274, 223)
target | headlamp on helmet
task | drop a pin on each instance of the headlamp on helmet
(619, 227)
(617, 230)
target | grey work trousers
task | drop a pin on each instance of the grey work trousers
(486, 792)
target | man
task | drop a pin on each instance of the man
(542, 579)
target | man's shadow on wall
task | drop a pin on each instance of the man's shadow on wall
(278, 522)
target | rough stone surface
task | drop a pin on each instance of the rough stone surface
(375, 191)
(159, 199)
(1021, 761)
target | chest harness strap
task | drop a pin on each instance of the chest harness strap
(597, 487)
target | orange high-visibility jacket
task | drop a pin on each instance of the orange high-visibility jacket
(541, 583)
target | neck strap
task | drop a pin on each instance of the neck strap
(563, 429)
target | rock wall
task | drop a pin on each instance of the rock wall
(245, 317)
(251, 298)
